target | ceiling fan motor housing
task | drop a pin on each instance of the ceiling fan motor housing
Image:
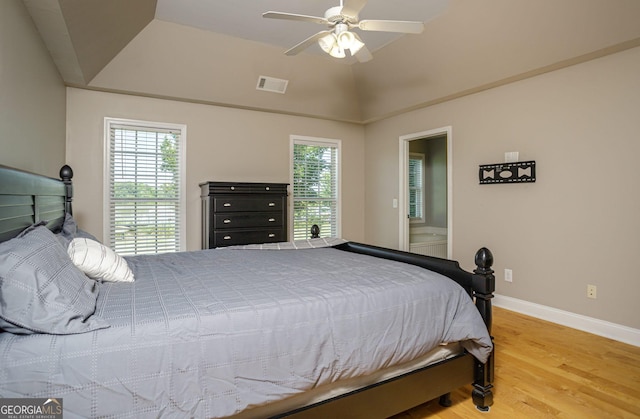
(334, 15)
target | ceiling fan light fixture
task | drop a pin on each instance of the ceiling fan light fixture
(336, 43)
(331, 46)
(345, 40)
(328, 42)
(337, 52)
(356, 45)
(348, 40)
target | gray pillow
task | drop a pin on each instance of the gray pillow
(41, 290)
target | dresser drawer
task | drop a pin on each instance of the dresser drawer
(247, 219)
(233, 237)
(233, 188)
(255, 203)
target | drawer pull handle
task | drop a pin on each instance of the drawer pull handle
(272, 204)
(226, 204)
(233, 188)
(227, 237)
(227, 221)
(267, 188)
(271, 235)
(271, 220)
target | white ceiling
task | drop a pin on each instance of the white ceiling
(243, 18)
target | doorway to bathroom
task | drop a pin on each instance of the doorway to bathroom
(425, 193)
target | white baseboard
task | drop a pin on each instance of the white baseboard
(576, 321)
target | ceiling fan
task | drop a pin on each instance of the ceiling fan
(339, 20)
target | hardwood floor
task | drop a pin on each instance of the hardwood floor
(544, 370)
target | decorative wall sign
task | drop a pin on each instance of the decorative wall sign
(518, 172)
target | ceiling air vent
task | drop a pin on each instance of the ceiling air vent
(271, 84)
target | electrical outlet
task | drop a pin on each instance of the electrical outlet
(508, 275)
(591, 291)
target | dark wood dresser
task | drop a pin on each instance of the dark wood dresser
(243, 213)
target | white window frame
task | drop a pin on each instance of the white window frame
(108, 124)
(423, 158)
(320, 142)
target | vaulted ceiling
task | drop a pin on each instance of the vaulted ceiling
(213, 51)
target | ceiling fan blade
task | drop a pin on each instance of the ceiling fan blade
(306, 43)
(352, 7)
(402, 26)
(364, 55)
(293, 16)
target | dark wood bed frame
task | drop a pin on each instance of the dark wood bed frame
(27, 198)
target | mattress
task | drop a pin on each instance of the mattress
(216, 332)
(342, 387)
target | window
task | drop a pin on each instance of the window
(416, 187)
(144, 191)
(315, 180)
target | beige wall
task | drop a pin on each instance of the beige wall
(32, 96)
(223, 144)
(578, 224)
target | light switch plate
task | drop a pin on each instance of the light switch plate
(511, 156)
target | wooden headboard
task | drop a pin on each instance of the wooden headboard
(27, 198)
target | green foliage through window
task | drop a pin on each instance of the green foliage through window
(315, 189)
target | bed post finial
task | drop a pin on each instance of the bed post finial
(315, 231)
(66, 174)
(484, 260)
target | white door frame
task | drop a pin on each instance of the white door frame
(403, 205)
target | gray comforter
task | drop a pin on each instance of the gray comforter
(214, 332)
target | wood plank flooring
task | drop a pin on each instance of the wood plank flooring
(544, 370)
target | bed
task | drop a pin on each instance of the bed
(321, 328)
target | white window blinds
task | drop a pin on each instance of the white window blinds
(315, 188)
(144, 189)
(416, 186)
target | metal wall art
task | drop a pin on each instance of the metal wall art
(517, 172)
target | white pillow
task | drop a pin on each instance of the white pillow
(98, 261)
